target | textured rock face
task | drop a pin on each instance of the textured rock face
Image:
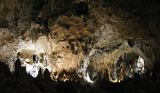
(89, 44)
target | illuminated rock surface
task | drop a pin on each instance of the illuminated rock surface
(79, 42)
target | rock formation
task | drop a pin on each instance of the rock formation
(75, 40)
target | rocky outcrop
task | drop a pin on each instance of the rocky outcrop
(74, 40)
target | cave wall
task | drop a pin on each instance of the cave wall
(70, 30)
